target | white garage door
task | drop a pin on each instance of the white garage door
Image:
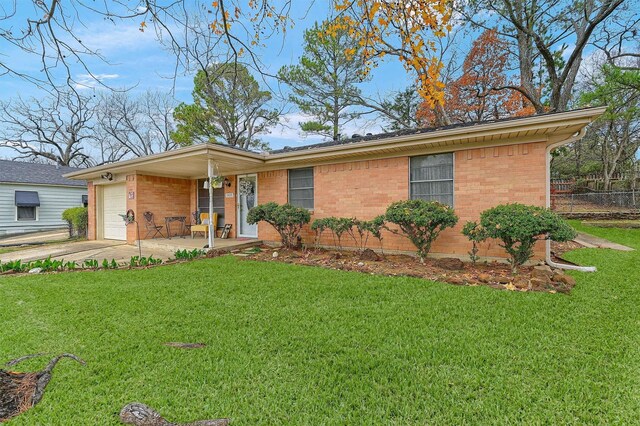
(114, 204)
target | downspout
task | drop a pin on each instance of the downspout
(211, 225)
(575, 137)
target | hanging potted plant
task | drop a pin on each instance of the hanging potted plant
(246, 189)
(216, 182)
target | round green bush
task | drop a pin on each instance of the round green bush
(288, 220)
(519, 226)
(421, 221)
(78, 220)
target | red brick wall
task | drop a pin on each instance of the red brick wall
(91, 211)
(162, 196)
(483, 178)
(230, 206)
(272, 186)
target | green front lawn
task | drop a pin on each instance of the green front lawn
(300, 345)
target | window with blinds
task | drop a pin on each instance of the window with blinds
(431, 178)
(301, 188)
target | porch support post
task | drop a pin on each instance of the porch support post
(212, 227)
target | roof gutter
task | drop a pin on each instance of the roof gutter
(576, 137)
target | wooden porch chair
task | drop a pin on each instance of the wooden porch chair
(192, 222)
(151, 227)
(203, 226)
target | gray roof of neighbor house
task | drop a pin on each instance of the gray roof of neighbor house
(36, 174)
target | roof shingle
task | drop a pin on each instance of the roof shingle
(37, 174)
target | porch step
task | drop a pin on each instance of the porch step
(178, 243)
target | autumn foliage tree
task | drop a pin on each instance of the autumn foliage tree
(404, 29)
(474, 96)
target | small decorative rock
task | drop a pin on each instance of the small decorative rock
(542, 272)
(35, 270)
(360, 264)
(275, 254)
(538, 283)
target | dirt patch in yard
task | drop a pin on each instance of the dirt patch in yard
(450, 270)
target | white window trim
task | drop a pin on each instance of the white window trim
(453, 179)
(313, 175)
(28, 220)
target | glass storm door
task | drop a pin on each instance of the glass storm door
(247, 198)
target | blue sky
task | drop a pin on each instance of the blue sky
(137, 60)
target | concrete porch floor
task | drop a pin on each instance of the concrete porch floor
(188, 243)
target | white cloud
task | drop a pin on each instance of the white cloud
(116, 38)
(87, 81)
(288, 131)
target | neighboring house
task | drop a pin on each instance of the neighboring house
(471, 167)
(33, 196)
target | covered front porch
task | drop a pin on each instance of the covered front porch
(169, 195)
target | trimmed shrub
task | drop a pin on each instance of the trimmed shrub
(476, 234)
(286, 219)
(420, 221)
(520, 226)
(359, 230)
(319, 226)
(78, 219)
(375, 226)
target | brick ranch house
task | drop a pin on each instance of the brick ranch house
(471, 166)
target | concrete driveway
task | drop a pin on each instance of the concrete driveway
(83, 250)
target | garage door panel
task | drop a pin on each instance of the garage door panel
(114, 204)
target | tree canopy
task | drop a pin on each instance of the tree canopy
(324, 82)
(228, 107)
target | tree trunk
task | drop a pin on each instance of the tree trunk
(21, 391)
(142, 415)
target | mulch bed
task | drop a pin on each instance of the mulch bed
(450, 270)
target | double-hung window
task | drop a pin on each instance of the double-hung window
(301, 188)
(431, 178)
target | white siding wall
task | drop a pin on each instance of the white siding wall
(53, 201)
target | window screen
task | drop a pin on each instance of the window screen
(431, 178)
(218, 201)
(26, 213)
(301, 188)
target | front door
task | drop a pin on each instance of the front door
(247, 198)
